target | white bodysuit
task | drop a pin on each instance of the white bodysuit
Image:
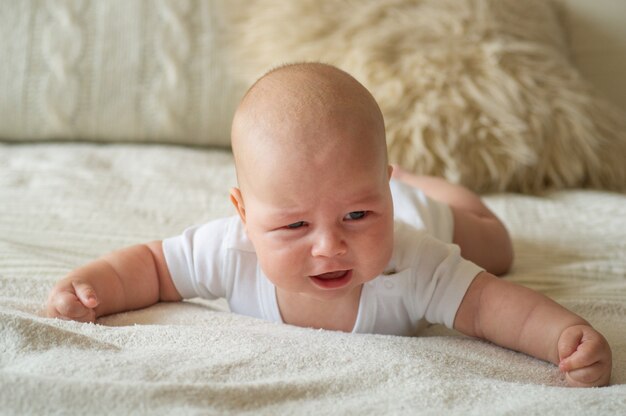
(425, 280)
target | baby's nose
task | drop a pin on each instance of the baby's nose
(329, 244)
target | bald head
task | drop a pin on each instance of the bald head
(306, 114)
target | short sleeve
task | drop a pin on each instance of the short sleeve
(196, 260)
(441, 279)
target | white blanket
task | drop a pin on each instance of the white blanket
(64, 204)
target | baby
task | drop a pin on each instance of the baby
(325, 238)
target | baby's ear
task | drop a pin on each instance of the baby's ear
(237, 199)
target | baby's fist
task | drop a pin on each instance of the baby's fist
(584, 357)
(72, 300)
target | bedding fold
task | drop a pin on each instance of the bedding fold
(60, 209)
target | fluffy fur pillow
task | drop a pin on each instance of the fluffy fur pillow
(479, 91)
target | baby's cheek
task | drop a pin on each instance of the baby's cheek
(375, 252)
(279, 261)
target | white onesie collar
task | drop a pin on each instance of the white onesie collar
(366, 315)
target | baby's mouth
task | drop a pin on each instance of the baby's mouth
(331, 275)
(332, 280)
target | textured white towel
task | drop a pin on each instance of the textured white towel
(62, 205)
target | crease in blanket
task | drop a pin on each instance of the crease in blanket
(193, 358)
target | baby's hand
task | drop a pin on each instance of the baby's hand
(584, 357)
(72, 300)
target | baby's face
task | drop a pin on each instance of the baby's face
(321, 222)
(309, 143)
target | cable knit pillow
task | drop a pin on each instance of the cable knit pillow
(149, 71)
(479, 91)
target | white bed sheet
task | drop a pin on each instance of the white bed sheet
(64, 204)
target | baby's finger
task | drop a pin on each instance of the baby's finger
(587, 376)
(568, 343)
(86, 294)
(587, 354)
(67, 305)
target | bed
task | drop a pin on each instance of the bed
(76, 183)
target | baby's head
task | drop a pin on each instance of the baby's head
(311, 159)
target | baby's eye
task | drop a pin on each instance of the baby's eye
(296, 225)
(356, 215)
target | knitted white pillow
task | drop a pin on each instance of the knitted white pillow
(114, 71)
(479, 91)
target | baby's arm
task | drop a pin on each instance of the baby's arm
(131, 278)
(516, 317)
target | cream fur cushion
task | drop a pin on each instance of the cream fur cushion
(481, 92)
